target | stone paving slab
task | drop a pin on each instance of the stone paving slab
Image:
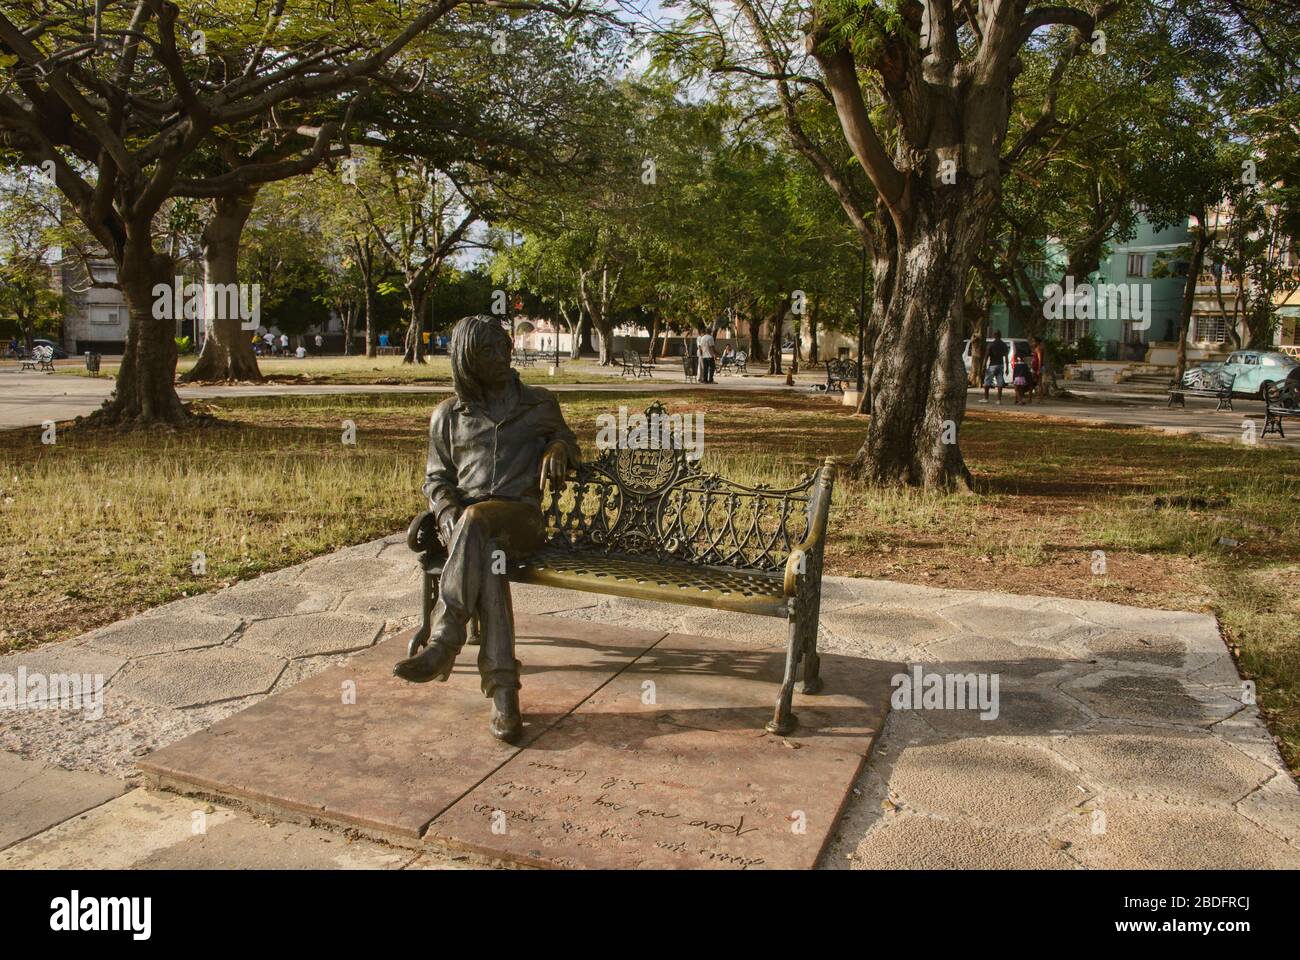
(1140, 709)
(194, 677)
(144, 830)
(692, 780)
(35, 796)
(356, 746)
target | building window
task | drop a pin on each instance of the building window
(1137, 264)
(1072, 329)
(1211, 330)
(1130, 335)
(102, 316)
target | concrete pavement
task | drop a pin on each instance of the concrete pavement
(27, 399)
(1123, 736)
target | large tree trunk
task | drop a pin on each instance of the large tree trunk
(348, 314)
(227, 348)
(415, 351)
(918, 382)
(755, 336)
(814, 352)
(777, 324)
(145, 391)
(1199, 243)
(372, 318)
(606, 343)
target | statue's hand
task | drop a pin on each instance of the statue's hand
(447, 522)
(555, 464)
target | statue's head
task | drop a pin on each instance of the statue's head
(480, 357)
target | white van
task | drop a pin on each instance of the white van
(1018, 348)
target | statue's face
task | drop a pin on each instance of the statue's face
(493, 361)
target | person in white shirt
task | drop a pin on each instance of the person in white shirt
(320, 344)
(284, 343)
(301, 352)
(708, 356)
(270, 343)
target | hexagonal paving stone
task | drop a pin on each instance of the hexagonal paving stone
(920, 843)
(1002, 784)
(1135, 647)
(992, 619)
(1156, 836)
(351, 573)
(391, 605)
(59, 659)
(1275, 806)
(263, 602)
(1003, 654)
(198, 676)
(150, 634)
(1176, 764)
(899, 626)
(311, 635)
(1019, 711)
(1128, 696)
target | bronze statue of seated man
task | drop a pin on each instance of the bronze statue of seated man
(490, 445)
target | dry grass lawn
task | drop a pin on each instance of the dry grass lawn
(100, 526)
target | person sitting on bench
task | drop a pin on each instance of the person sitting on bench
(490, 445)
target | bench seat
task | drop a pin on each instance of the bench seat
(722, 588)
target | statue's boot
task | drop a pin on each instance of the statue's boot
(507, 723)
(434, 662)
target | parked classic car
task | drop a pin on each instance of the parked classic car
(1252, 370)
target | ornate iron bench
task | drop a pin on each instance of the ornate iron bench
(734, 362)
(41, 358)
(633, 364)
(839, 374)
(1200, 382)
(1281, 400)
(525, 358)
(648, 524)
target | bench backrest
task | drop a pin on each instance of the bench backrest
(1198, 378)
(656, 502)
(841, 370)
(1284, 395)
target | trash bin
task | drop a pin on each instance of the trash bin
(92, 363)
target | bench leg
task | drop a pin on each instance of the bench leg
(428, 597)
(783, 720)
(812, 661)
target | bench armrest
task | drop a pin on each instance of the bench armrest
(796, 563)
(422, 534)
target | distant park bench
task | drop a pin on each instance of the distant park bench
(1203, 383)
(1281, 401)
(636, 366)
(41, 358)
(733, 362)
(648, 524)
(840, 374)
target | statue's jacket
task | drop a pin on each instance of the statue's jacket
(473, 457)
